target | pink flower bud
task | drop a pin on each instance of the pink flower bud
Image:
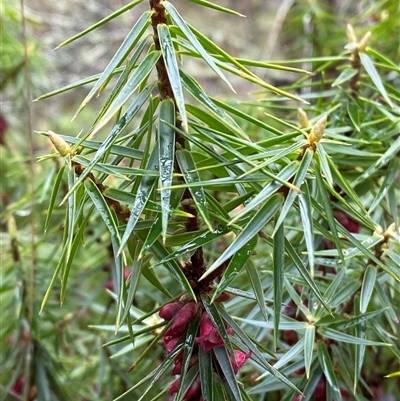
(168, 311)
(209, 336)
(194, 388)
(192, 391)
(238, 359)
(178, 362)
(182, 319)
(170, 342)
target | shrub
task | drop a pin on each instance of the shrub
(254, 253)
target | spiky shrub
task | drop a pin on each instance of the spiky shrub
(266, 243)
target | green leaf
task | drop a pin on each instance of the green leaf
(347, 338)
(331, 290)
(110, 17)
(327, 367)
(240, 70)
(392, 314)
(171, 65)
(309, 338)
(367, 287)
(345, 76)
(179, 21)
(155, 374)
(278, 272)
(77, 242)
(298, 182)
(112, 170)
(133, 282)
(115, 149)
(383, 160)
(306, 219)
(303, 271)
(256, 224)
(248, 117)
(53, 197)
(364, 250)
(344, 185)
(206, 375)
(78, 84)
(235, 266)
(142, 196)
(218, 389)
(69, 227)
(166, 144)
(392, 170)
(108, 218)
(156, 228)
(202, 239)
(150, 275)
(216, 7)
(268, 190)
(117, 130)
(137, 77)
(257, 286)
(130, 41)
(119, 85)
(286, 358)
(188, 169)
(227, 370)
(344, 292)
(198, 93)
(324, 163)
(188, 375)
(278, 156)
(373, 74)
(327, 209)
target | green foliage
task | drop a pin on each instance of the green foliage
(274, 228)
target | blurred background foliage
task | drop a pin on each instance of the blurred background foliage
(62, 342)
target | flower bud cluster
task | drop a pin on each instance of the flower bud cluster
(181, 314)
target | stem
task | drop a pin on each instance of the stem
(164, 86)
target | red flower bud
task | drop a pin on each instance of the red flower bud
(182, 319)
(238, 359)
(192, 391)
(209, 336)
(168, 311)
(178, 362)
(170, 342)
(194, 388)
(18, 387)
